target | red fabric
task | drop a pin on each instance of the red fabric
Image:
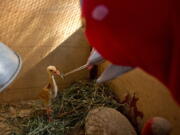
(147, 129)
(138, 33)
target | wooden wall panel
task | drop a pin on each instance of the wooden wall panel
(153, 98)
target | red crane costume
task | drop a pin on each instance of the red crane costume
(137, 33)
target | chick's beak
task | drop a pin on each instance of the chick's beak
(57, 72)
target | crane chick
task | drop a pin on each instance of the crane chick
(50, 91)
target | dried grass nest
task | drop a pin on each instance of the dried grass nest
(70, 110)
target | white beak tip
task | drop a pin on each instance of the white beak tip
(98, 81)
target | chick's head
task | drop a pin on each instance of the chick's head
(53, 70)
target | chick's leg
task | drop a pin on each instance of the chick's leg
(49, 112)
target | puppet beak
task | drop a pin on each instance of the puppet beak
(94, 58)
(111, 72)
